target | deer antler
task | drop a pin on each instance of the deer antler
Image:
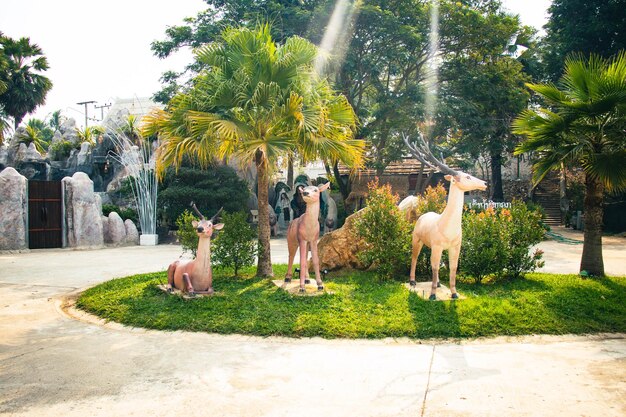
(193, 205)
(423, 154)
(214, 218)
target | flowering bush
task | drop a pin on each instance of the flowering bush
(498, 242)
(434, 199)
(386, 233)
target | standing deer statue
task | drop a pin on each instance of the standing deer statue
(303, 231)
(196, 276)
(441, 231)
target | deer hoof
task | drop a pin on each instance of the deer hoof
(287, 280)
(455, 296)
(320, 288)
(432, 297)
(301, 290)
(438, 284)
(170, 290)
(191, 294)
(307, 281)
(412, 283)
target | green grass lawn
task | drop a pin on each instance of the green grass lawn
(364, 307)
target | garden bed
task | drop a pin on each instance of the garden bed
(361, 306)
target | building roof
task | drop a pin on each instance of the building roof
(406, 166)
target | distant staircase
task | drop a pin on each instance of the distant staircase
(547, 195)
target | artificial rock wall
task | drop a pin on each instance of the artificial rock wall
(83, 213)
(13, 210)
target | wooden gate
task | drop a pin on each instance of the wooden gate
(45, 214)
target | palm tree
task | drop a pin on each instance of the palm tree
(256, 101)
(56, 120)
(33, 134)
(584, 127)
(89, 134)
(25, 87)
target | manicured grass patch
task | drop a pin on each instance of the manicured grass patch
(363, 307)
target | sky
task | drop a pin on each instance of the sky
(100, 50)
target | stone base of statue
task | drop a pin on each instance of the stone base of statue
(184, 295)
(293, 287)
(423, 289)
(148, 240)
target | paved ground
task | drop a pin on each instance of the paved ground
(54, 364)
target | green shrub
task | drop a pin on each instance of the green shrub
(60, 150)
(211, 188)
(186, 233)
(497, 242)
(386, 233)
(434, 199)
(526, 230)
(483, 250)
(235, 246)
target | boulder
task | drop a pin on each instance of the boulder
(115, 230)
(32, 154)
(105, 227)
(132, 234)
(338, 249)
(4, 155)
(13, 209)
(84, 155)
(83, 212)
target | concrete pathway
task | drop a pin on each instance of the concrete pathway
(53, 364)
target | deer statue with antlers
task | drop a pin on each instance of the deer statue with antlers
(304, 231)
(441, 231)
(196, 276)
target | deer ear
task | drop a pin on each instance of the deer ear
(448, 178)
(194, 223)
(218, 226)
(324, 187)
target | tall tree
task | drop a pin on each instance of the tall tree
(256, 100)
(26, 87)
(483, 97)
(55, 120)
(583, 26)
(584, 126)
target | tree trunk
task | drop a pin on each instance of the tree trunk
(290, 171)
(419, 187)
(264, 264)
(592, 261)
(344, 187)
(17, 120)
(497, 193)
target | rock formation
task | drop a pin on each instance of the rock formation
(132, 234)
(115, 230)
(83, 212)
(338, 249)
(13, 207)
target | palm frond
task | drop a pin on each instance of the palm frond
(609, 168)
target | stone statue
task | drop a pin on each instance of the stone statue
(196, 276)
(303, 231)
(441, 231)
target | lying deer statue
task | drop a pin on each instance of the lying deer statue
(306, 230)
(441, 231)
(196, 276)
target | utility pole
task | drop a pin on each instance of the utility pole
(85, 104)
(104, 106)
